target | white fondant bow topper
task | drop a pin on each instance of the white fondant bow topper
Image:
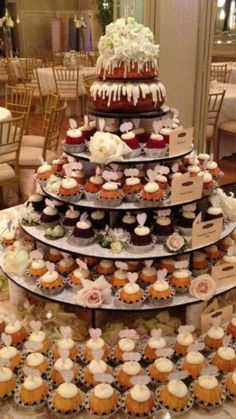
(126, 127)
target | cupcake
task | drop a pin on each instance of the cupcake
(200, 262)
(57, 166)
(50, 281)
(131, 293)
(131, 187)
(71, 217)
(44, 172)
(163, 227)
(37, 268)
(152, 345)
(185, 222)
(54, 255)
(7, 382)
(160, 291)
(63, 364)
(126, 372)
(66, 265)
(60, 206)
(49, 216)
(160, 369)
(224, 359)
(231, 327)
(140, 134)
(120, 277)
(11, 355)
(8, 237)
(151, 192)
(207, 181)
(37, 361)
(92, 186)
(88, 129)
(213, 213)
(207, 390)
(165, 133)
(162, 182)
(69, 188)
(110, 194)
(82, 272)
(78, 175)
(155, 146)
(213, 253)
(33, 391)
(139, 401)
(37, 202)
(213, 168)
(16, 331)
(227, 259)
(130, 140)
(214, 337)
(83, 231)
(194, 170)
(65, 343)
(141, 237)
(168, 264)
(230, 384)
(74, 141)
(95, 343)
(226, 243)
(183, 340)
(133, 265)
(103, 400)
(42, 341)
(148, 275)
(181, 279)
(174, 395)
(194, 362)
(128, 222)
(98, 219)
(67, 399)
(105, 267)
(203, 157)
(96, 366)
(123, 346)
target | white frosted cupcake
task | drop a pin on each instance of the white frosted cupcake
(207, 390)
(183, 340)
(139, 401)
(174, 396)
(214, 337)
(124, 345)
(126, 371)
(152, 345)
(110, 194)
(7, 383)
(224, 359)
(66, 400)
(103, 400)
(95, 367)
(160, 369)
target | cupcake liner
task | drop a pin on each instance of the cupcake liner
(229, 395)
(74, 148)
(182, 290)
(34, 406)
(141, 249)
(74, 286)
(174, 412)
(40, 181)
(109, 202)
(155, 153)
(197, 272)
(51, 291)
(90, 196)
(73, 198)
(83, 241)
(134, 153)
(208, 406)
(99, 416)
(162, 301)
(155, 383)
(149, 204)
(129, 415)
(185, 231)
(209, 359)
(206, 349)
(6, 398)
(120, 303)
(131, 197)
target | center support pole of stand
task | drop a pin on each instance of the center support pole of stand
(94, 319)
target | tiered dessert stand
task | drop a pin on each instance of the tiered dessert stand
(66, 244)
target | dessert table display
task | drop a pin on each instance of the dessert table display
(127, 220)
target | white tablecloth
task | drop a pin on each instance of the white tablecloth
(228, 112)
(47, 82)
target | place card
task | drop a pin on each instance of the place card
(206, 232)
(224, 275)
(185, 188)
(180, 141)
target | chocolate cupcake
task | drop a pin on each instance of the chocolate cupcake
(141, 236)
(186, 219)
(128, 222)
(163, 226)
(83, 232)
(37, 201)
(60, 206)
(213, 213)
(49, 216)
(98, 219)
(71, 218)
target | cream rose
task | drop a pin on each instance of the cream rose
(106, 148)
(203, 287)
(16, 262)
(94, 293)
(175, 242)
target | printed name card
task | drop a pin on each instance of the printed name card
(180, 141)
(185, 188)
(206, 232)
(224, 275)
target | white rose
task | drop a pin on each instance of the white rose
(106, 148)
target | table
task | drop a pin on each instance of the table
(228, 112)
(47, 82)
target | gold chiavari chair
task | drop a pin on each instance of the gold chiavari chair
(10, 142)
(82, 59)
(67, 81)
(3, 73)
(224, 58)
(220, 73)
(215, 101)
(12, 79)
(88, 81)
(31, 157)
(29, 75)
(57, 59)
(31, 62)
(92, 57)
(18, 100)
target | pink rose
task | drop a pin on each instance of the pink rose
(203, 287)
(93, 298)
(175, 242)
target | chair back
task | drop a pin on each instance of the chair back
(18, 100)
(10, 140)
(53, 130)
(82, 59)
(3, 73)
(223, 58)
(88, 80)
(66, 80)
(52, 102)
(31, 62)
(11, 75)
(57, 59)
(215, 101)
(219, 72)
(92, 57)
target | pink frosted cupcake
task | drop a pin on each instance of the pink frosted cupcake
(156, 146)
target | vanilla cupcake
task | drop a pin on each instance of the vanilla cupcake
(224, 359)
(49, 216)
(105, 267)
(44, 172)
(194, 362)
(125, 373)
(43, 342)
(7, 383)
(183, 340)
(131, 293)
(214, 337)
(11, 355)
(37, 361)
(124, 345)
(66, 265)
(71, 217)
(63, 364)
(151, 347)
(93, 368)
(16, 331)
(95, 344)
(128, 222)
(148, 274)
(207, 390)
(139, 401)
(160, 369)
(66, 343)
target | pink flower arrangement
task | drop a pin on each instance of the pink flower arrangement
(203, 287)
(94, 293)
